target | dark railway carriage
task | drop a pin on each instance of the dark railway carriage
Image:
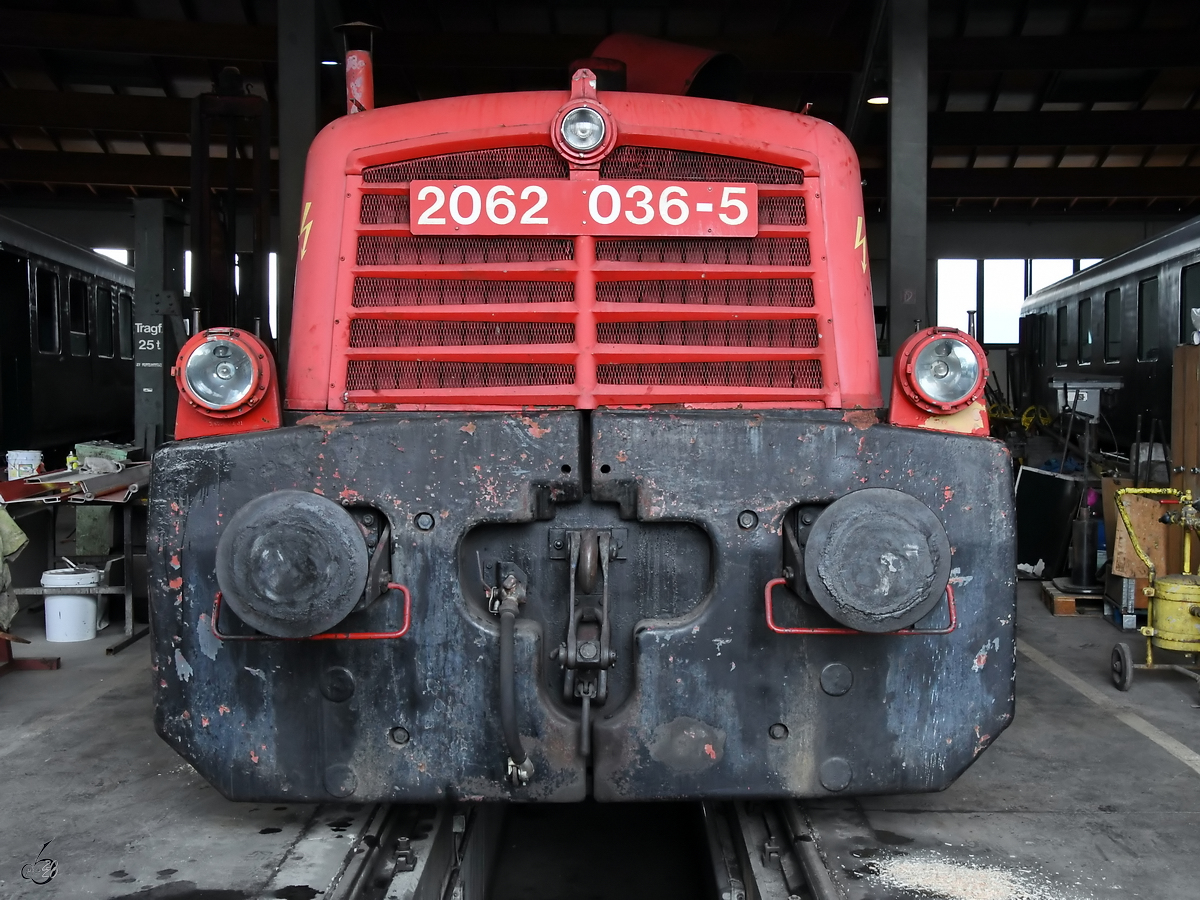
(1117, 322)
(578, 485)
(66, 341)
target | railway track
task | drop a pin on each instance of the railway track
(757, 851)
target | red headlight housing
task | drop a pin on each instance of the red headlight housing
(938, 380)
(227, 384)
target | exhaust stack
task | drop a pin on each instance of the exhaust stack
(358, 41)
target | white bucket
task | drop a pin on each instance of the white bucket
(71, 617)
(23, 463)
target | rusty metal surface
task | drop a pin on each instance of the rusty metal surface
(704, 700)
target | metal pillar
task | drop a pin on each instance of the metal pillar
(157, 317)
(908, 167)
(298, 97)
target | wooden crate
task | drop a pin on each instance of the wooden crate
(1063, 604)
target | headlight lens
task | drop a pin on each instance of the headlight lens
(583, 129)
(220, 374)
(946, 371)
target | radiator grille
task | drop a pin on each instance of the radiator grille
(794, 333)
(504, 162)
(386, 333)
(784, 292)
(409, 375)
(776, 373)
(657, 163)
(410, 335)
(380, 250)
(708, 251)
(370, 291)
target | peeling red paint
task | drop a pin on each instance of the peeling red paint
(175, 561)
(622, 456)
(860, 418)
(947, 493)
(709, 751)
(469, 428)
(204, 721)
(175, 583)
(222, 709)
(253, 756)
(325, 423)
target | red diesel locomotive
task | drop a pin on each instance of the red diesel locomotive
(577, 485)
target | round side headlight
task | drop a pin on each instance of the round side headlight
(944, 370)
(223, 372)
(583, 129)
(220, 374)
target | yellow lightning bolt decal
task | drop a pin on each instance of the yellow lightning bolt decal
(860, 240)
(306, 227)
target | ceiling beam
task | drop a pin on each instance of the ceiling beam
(783, 53)
(149, 37)
(1108, 50)
(1093, 183)
(114, 169)
(1125, 127)
(99, 112)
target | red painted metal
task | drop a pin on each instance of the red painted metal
(360, 82)
(654, 66)
(911, 409)
(616, 208)
(214, 624)
(261, 411)
(581, 320)
(784, 629)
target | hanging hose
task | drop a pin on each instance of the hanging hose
(508, 694)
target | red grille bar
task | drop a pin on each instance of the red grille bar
(385, 333)
(804, 374)
(790, 333)
(369, 292)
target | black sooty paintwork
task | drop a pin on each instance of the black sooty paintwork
(704, 700)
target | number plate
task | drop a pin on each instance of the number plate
(688, 209)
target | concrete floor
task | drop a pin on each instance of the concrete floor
(1074, 798)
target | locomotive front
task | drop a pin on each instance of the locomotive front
(577, 488)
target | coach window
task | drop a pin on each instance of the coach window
(45, 287)
(1112, 325)
(1148, 319)
(77, 314)
(1189, 304)
(1085, 331)
(1063, 354)
(103, 316)
(125, 325)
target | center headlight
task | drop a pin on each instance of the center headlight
(583, 129)
(220, 374)
(946, 371)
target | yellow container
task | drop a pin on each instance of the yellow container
(1176, 603)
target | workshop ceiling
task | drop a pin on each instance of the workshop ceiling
(1080, 105)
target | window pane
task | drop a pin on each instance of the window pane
(1148, 319)
(45, 288)
(1064, 338)
(1046, 345)
(1189, 302)
(77, 309)
(1045, 272)
(1087, 263)
(956, 292)
(104, 322)
(1112, 325)
(125, 325)
(1003, 294)
(1084, 325)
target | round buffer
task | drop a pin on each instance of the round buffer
(877, 560)
(291, 564)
